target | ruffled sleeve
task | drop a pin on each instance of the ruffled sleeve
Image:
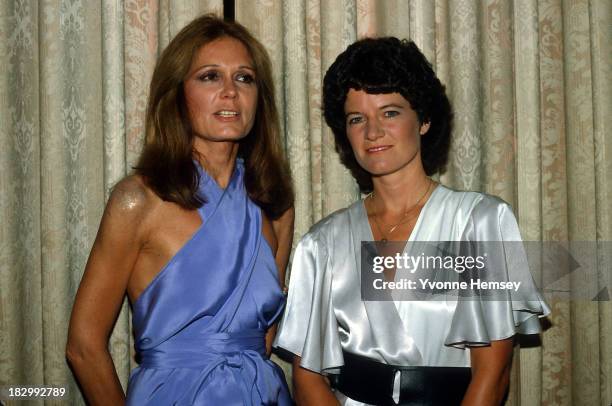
(309, 328)
(482, 318)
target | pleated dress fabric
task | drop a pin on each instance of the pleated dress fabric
(325, 313)
(199, 326)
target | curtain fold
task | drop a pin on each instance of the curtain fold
(307, 37)
(582, 221)
(20, 202)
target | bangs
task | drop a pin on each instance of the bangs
(371, 75)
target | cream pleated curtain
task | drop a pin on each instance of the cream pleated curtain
(75, 78)
(530, 82)
(531, 85)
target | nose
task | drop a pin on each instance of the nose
(229, 89)
(374, 130)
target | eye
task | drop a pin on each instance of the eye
(245, 78)
(208, 76)
(391, 113)
(354, 120)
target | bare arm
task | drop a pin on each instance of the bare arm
(490, 373)
(101, 293)
(283, 230)
(311, 388)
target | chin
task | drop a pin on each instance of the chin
(387, 167)
(377, 174)
(225, 137)
(378, 170)
(233, 135)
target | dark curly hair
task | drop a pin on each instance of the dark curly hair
(388, 65)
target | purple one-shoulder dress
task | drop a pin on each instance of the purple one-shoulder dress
(199, 326)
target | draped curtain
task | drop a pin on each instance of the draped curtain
(74, 90)
(530, 82)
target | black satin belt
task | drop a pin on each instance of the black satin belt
(369, 381)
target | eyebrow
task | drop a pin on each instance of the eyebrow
(212, 65)
(380, 108)
(391, 105)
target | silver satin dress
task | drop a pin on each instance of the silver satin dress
(325, 313)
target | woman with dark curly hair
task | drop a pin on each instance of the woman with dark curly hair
(391, 121)
(198, 237)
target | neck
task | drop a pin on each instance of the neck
(218, 159)
(395, 193)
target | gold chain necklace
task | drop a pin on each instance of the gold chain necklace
(404, 219)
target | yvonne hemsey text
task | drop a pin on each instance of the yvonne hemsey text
(426, 284)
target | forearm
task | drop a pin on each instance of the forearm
(314, 394)
(486, 390)
(311, 388)
(96, 374)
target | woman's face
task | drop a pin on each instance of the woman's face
(383, 131)
(221, 92)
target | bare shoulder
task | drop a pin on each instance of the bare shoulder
(131, 197)
(130, 204)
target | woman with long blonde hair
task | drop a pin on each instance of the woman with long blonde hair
(198, 237)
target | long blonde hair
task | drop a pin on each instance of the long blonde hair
(166, 161)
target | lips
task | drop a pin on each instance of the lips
(227, 113)
(378, 148)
